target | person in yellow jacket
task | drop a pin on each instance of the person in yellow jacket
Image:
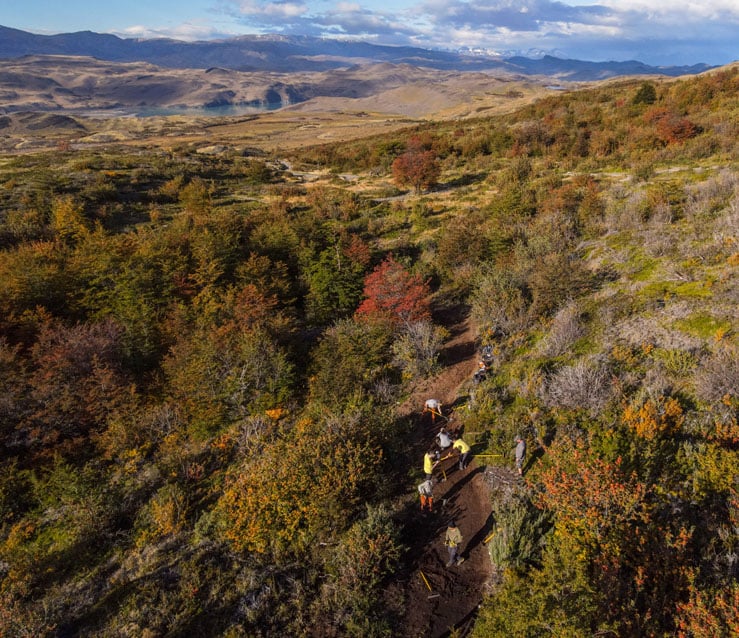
(429, 463)
(453, 540)
(464, 452)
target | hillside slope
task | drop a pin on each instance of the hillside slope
(213, 358)
(86, 86)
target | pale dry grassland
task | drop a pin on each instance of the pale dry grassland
(387, 98)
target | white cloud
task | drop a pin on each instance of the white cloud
(272, 9)
(345, 7)
(706, 9)
(657, 32)
(608, 29)
(187, 31)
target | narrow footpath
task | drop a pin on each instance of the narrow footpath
(439, 600)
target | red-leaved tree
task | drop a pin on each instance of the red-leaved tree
(418, 166)
(391, 292)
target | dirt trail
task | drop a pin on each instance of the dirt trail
(438, 599)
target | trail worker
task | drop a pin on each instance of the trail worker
(443, 439)
(464, 452)
(429, 463)
(434, 407)
(426, 490)
(520, 454)
(453, 540)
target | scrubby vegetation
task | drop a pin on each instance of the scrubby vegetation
(201, 360)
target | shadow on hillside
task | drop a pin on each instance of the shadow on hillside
(480, 535)
(462, 180)
(460, 484)
(463, 626)
(457, 353)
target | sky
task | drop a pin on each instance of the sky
(658, 32)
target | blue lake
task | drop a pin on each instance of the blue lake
(211, 111)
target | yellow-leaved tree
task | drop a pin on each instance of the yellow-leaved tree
(303, 487)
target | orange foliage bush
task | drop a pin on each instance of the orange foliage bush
(654, 418)
(671, 128)
(417, 166)
(709, 614)
(595, 501)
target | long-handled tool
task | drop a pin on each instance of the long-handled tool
(438, 413)
(425, 580)
(444, 458)
(434, 413)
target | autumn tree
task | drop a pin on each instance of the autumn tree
(219, 376)
(364, 557)
(14, 390)
(709, 613)
(466, 241)
(594, 500)
(32, 276)
(556, 278)
(195, 198)
(394, 294)
(418, 166)
(500, 302)
(303, 488)
(670, 126)
(612, 518)
(67, 220)
(77, 382)
(416, 349)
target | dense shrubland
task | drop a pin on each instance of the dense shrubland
(200, 361)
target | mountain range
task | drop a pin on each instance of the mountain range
(289, 54)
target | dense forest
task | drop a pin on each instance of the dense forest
(202, 358)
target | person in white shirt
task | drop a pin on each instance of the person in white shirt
(426, 490)
(443, 439)
(434, 407)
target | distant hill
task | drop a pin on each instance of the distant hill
(82, 84)
(288, 54)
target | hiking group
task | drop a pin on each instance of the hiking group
(453, 444)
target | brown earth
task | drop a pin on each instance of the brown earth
(438, 600)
